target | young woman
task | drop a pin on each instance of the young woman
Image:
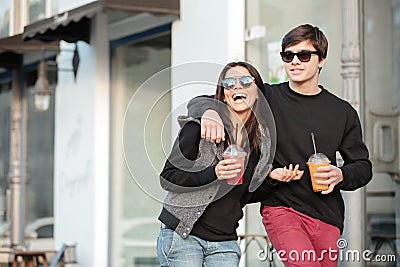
(201, 211)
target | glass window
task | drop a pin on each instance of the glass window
(5, 18)
(39, 138)
(5, 107)
(267, 21)
(55, 7)
(37, 10)
(382, 100)
(275, 19)
(134, 209)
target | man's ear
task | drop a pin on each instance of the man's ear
(321, 63)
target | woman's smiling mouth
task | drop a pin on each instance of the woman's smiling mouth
(239, 96)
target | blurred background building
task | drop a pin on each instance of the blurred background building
(80, 165)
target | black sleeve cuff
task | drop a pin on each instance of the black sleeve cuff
(272, 182)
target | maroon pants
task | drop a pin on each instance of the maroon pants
(299, 239)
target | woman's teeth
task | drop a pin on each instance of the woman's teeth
(239, 96)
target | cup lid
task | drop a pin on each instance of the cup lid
(318, 158)
(234, 150)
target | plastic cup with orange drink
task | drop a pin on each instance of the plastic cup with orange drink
(317, 160)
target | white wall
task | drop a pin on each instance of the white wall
(208, 31)
(82, 150)
(208, 35)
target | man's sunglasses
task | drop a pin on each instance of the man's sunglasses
(303, 56)
(230, 83)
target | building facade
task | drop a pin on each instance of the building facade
(88, 166)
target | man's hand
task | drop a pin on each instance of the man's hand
(212, 128)
(286, 175)
(333, 175)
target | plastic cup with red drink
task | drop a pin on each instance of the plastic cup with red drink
(235, 152)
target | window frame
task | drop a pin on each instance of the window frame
(19, 14)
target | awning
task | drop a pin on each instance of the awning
(74, 25)
(70, 26)
(12, 48)
(152, 6)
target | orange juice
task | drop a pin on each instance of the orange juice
(317, 160)
(313, 169)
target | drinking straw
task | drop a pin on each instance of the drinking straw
(313, 141)
(234, 149)
(236, 134)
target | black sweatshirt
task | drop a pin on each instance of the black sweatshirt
(336, 127)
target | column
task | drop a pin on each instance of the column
(354, 225)
(16, 175)
(210, 42)
(81, 158)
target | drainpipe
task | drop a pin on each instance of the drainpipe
(15, 178)
(354, 225)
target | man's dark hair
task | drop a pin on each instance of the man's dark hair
(307, 32)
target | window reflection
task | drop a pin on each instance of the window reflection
(5, 18)
(5, 106)
(274, 20)
(39, 157)
(381, 70)
(134, 214)
(266, 23)
(37, 10)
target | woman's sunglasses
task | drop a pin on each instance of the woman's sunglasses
(303, 56)
(230, 83)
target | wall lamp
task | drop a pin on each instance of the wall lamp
(42, 91)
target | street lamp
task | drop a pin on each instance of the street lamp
(42, 92)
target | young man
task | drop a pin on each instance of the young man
(303, 225)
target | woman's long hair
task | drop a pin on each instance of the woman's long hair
(251, 125)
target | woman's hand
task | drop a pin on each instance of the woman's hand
(227, 169)
(286, 174)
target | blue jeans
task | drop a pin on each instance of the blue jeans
(174, 251)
